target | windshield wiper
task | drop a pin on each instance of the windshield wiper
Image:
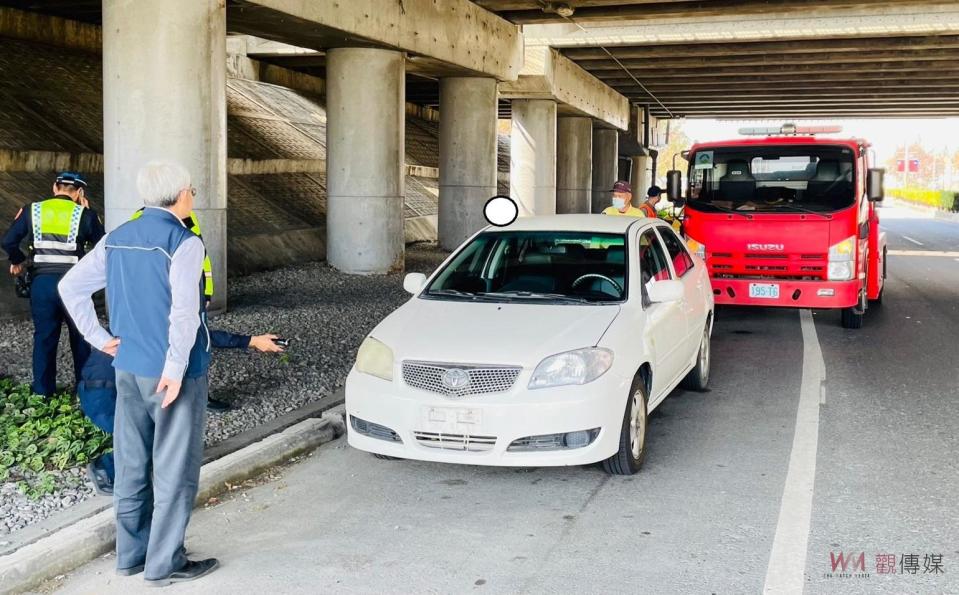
(535, 296)
(452, 292)
(724, 209)
(803, 209)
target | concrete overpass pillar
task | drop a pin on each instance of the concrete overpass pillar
(467, 156)
(574, 165)
(605, 167)
(164, 97)
(366, 119)
(640, 177)
(533, 156)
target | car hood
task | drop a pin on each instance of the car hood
(491, 333)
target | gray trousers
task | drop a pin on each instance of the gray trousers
(158, 453)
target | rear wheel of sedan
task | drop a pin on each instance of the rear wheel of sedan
(632, 438)
(698, 377)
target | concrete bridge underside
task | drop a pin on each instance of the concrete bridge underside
(583, 80)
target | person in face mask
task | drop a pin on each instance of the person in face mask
(623, 201)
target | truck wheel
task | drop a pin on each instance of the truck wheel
(698, 377)
(852, 317)
(632, 436)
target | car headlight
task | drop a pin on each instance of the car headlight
(841, 260)
(375, 358)
(696, 248)
(579, 366)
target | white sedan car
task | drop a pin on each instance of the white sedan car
(546, 342)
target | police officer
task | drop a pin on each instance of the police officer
(57, 230)
(194, 225)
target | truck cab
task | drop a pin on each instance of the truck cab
(787, 220)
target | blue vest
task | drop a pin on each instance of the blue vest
(138, 257)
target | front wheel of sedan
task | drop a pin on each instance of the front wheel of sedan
(632, 438)
(698, 377)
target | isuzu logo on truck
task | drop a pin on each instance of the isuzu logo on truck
(766, 247)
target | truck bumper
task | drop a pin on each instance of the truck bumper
(792, 294)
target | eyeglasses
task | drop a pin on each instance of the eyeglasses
(191, 189)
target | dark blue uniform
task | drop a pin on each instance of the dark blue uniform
(45, 305)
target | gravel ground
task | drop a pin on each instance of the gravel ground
(324, 313)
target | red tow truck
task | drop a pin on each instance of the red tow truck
(787, 219)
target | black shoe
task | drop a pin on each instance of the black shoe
(192, 570)
(130, 571)
(217, 406)
(100, 480)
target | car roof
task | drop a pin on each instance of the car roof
(588, 223)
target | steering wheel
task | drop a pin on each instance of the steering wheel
(582, 278)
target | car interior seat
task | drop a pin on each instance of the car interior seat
(737, 184)
(833, 180)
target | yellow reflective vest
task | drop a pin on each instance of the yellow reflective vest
(56, 225)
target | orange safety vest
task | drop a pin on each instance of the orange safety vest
(648, 210)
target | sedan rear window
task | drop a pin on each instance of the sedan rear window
(564, 267)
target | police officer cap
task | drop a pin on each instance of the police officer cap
(73, 178)
(654, 191)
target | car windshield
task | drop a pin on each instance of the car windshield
(553, 266)
(779, 179)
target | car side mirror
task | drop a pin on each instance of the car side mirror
(874, 180)
(674, 187)
(414, 282)
(661, 292)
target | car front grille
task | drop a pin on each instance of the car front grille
(465, 442)
(478, 379)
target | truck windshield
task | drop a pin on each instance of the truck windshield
(558, 267)
(772, 178)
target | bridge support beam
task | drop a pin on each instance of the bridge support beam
(605, 167)
(467, 156)
(366, 119)
(533, 156)
(164, 97)
(574, 165)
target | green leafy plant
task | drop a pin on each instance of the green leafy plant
(39, 434)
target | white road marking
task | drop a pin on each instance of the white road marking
(786, 572)
(942, 253)
(916, 242)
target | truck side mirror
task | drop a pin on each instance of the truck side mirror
(674, 187)
(874, 189)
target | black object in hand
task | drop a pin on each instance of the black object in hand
(22, 284)
(282, 342)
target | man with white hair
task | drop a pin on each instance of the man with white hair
(152, 268)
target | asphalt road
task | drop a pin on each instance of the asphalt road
(722, 489)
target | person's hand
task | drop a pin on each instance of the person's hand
(16, 269)
(172, 388)
(265, 344)
(111, 347)
(83, 201)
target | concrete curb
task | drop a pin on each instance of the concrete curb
(93, 536)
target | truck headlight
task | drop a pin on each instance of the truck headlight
(840, 271)
(696, 248)
(841, 258)
(579, 366)
(375, 358)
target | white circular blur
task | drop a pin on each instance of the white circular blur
(501, 211)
